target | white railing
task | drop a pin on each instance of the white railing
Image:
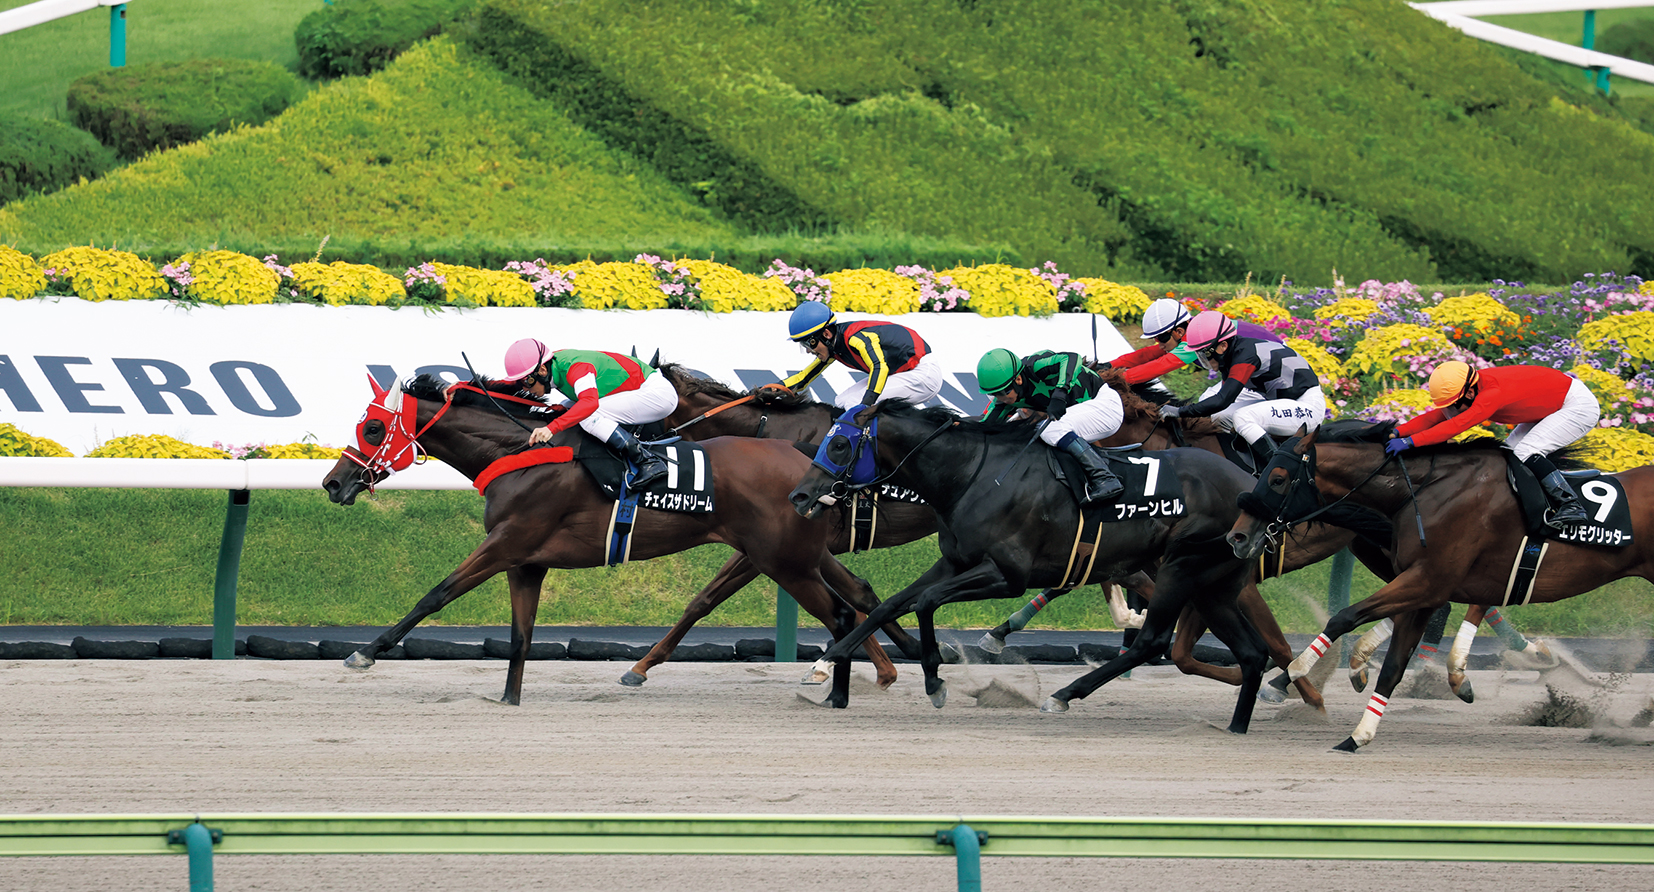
(46, 10)
(1459, 14)
(205, 473)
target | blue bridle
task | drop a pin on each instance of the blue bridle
(845, 452)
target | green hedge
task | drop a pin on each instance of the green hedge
(1202, 139)
(1633, 40)
(39, 155)
(356, 37)
(160, 105)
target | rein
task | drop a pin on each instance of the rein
(713, 411)
(1282, 525)
(880, 479)
(404, 419)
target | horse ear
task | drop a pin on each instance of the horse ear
(654, 362)
(378, 392)
(393, 397)
(1306, 438)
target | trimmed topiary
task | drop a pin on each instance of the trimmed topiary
(157, 106)
(356, 37)
(39, 155)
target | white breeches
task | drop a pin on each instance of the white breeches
(653, 400)
(1252, 416)
(1579, 413)
(1095, 419)
(918, 385)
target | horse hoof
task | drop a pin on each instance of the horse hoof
(939, 697)
(1348, 746)
(1271, 694)
(1536, 656)
(991, 644)
(358, 660)
(1052, 704)
(1358, 679)
(818, 673)
(633, 679)
(1464, 691)
(950, 654)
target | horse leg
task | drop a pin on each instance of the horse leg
(525, 585)
(978, 583)
(1408, 591)
(860, 595)
(838, 617)
(1150, 642)
(1190, 626)
(1409, 626)
(993, 640)
(892, 607)
(731, 578)
(481, 564)
(1229, 623)
(1521, 652)
(1252, 605)
(1367, 645)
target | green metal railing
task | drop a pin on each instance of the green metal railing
(966, 838)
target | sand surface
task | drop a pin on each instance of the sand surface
(289, 736)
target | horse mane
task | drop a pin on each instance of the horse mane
(1145, 399)
(687, 382)
(937, 415)
(1349, 430)
(431, 387)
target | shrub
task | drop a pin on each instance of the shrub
(1633, 40)
(15, 443)
(164, 104)
(96, 274)
(357, 37)
(339, 283)
(225, 277)
(20, 275)
(153, 446)
(42, 156)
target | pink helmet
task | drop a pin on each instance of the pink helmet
(523, 357)
(1208, 328)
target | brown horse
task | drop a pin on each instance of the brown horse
(1468, 532)
(553, 516)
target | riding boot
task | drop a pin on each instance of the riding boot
(1566, 511)
(1100, 482)
(650, 467)
(1263, 449)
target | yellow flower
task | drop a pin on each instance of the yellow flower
(1350, 310)
(153, 446)
(1616, 449)
(1001, 290)
(1255, 308)
(1635, 331)
(1380, 349)
(225, 277)
(107, 275)
(20, 275)
(725, 289)
(484, 287)
(16, 443)
(301, 450)
(339, 283)
(1608, 387)
(630, 286)
(1474, 311)
(1120, 303)
(878, 291)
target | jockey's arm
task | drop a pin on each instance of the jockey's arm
(1137, 357)
(1148, 371)
(809, 373)
(866, 345)
(1428, 431)
(583, 376)
(1239, 374)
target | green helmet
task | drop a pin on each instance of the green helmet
(996, 370)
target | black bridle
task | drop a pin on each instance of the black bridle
(1304, 474)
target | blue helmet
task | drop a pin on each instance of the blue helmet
(809, 317)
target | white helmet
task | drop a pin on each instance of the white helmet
(1162, 316)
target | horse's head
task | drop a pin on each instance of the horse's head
(847, 458)
(385, 443)
(1285, 494)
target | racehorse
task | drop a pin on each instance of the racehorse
(553, 516)
(999, 540)
(1468, 533)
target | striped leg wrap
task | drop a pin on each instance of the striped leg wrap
(1368, 725)
(1306, 660)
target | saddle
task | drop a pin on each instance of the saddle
(1604, 498)
(687, 487)
(1152, 490)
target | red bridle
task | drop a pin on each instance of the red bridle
(399, 448)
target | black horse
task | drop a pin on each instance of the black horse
(1007, 524)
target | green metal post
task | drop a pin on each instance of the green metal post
(1338, 592)
(1602, 81)
(229, 567)
(786, 627)
(198, 840)
(117, 36)
(967, 853)
(1589, 40)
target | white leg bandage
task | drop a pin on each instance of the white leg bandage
(1459, 657)
(1368, 645)
(1306, 660)
(1368, 726)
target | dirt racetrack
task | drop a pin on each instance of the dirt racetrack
(265, 736)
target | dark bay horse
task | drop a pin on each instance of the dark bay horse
(999, 540)
(553, 516)
(1456, 499)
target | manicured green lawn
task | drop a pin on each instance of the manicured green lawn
(37, 64)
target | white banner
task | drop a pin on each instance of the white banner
(82, 373)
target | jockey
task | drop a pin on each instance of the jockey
(1167, 321)
(1081, 407)
(1267, 388)
(1550, 409)
(601, 391)
(897, 361)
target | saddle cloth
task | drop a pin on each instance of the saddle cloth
(686, 488)
(1606, 506)
(1152, 489)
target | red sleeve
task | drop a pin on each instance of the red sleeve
(1242, 371)
(585, 401)
(1137, 357)
(1150, 370)
(1413, 425)
(1489, 399)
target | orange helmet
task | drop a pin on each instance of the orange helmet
(1449, 382)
